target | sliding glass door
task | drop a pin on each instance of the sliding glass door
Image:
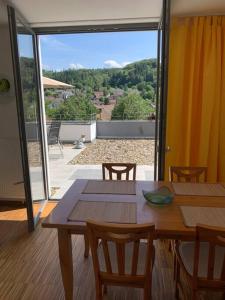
(27, 83)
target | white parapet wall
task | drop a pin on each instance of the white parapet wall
(134, 129)
(72, 130)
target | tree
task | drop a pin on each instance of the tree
(106, 101)
(133, 76)
(74, 108)
(131, 107)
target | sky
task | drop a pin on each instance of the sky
(95, 50)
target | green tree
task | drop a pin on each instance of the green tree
(131, 107)
(106, 101)
(74, 108)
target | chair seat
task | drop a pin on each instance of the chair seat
(186, 252)
(128, 257)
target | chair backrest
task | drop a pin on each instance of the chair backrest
(215, 238)
(118, 169)
(53, 134)
(188, 174)
(120, 236)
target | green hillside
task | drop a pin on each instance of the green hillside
(136, 83)
(139, 76)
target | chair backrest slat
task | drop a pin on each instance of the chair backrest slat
(120, 251)
(223, 271)
(118, 169)
(135, 257)
(106, 256)
(188, 174)
(211, 261)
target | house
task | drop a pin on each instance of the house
(98, 95)
(191, 107)
(118, 93)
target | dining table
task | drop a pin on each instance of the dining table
(168, 220)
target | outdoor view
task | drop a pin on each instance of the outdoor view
(100, 105)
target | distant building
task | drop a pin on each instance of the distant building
(118, 93)
(98, 95)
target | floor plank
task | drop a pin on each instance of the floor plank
(29, 265)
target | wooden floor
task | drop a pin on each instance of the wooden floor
(29, 265)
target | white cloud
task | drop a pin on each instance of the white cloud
(76, 66)
(114, 64)
(125, 63)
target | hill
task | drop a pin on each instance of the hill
(139, 76)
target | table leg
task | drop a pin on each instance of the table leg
(86, 245)
(66, 262)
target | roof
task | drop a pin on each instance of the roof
(49, 83)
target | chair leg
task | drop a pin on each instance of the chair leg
(147, 292)
(86, 246)
(177, 280)
(105, 289)
(223, 296)
(174, 266)
(98, 291)
(60, 148)
(194, 295)
(170, 246)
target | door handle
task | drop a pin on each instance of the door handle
(18, 182)
(167, 149)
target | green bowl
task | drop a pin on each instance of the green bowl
(161, 196)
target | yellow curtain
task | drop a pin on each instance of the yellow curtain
(196, 95)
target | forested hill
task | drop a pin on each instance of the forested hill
(139, 75)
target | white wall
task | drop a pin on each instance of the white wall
(10, 157)
(126, 129)
(72, 131)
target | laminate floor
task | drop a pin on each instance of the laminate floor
(29, 265)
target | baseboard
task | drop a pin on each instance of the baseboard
(12, 202)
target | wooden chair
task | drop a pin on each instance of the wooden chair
(202, 261)
(185, 174)
(119, 256)
(119, 169)
(188, 174)
(112, 168)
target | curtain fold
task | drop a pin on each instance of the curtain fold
(196, 95)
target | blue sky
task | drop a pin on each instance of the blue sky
(96, 50)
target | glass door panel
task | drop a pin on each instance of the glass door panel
(31, 115)
(27, 92)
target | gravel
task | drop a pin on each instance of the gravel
(104, 150)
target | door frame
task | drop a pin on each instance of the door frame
(162, 89)
(86, 29)
(32, 220)
(162, 71)
(153, 26)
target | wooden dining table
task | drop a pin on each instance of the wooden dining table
(168, 219)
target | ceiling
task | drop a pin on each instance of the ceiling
(197, 7)
(50, 13)
(41, 13)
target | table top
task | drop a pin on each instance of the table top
(167, 219)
